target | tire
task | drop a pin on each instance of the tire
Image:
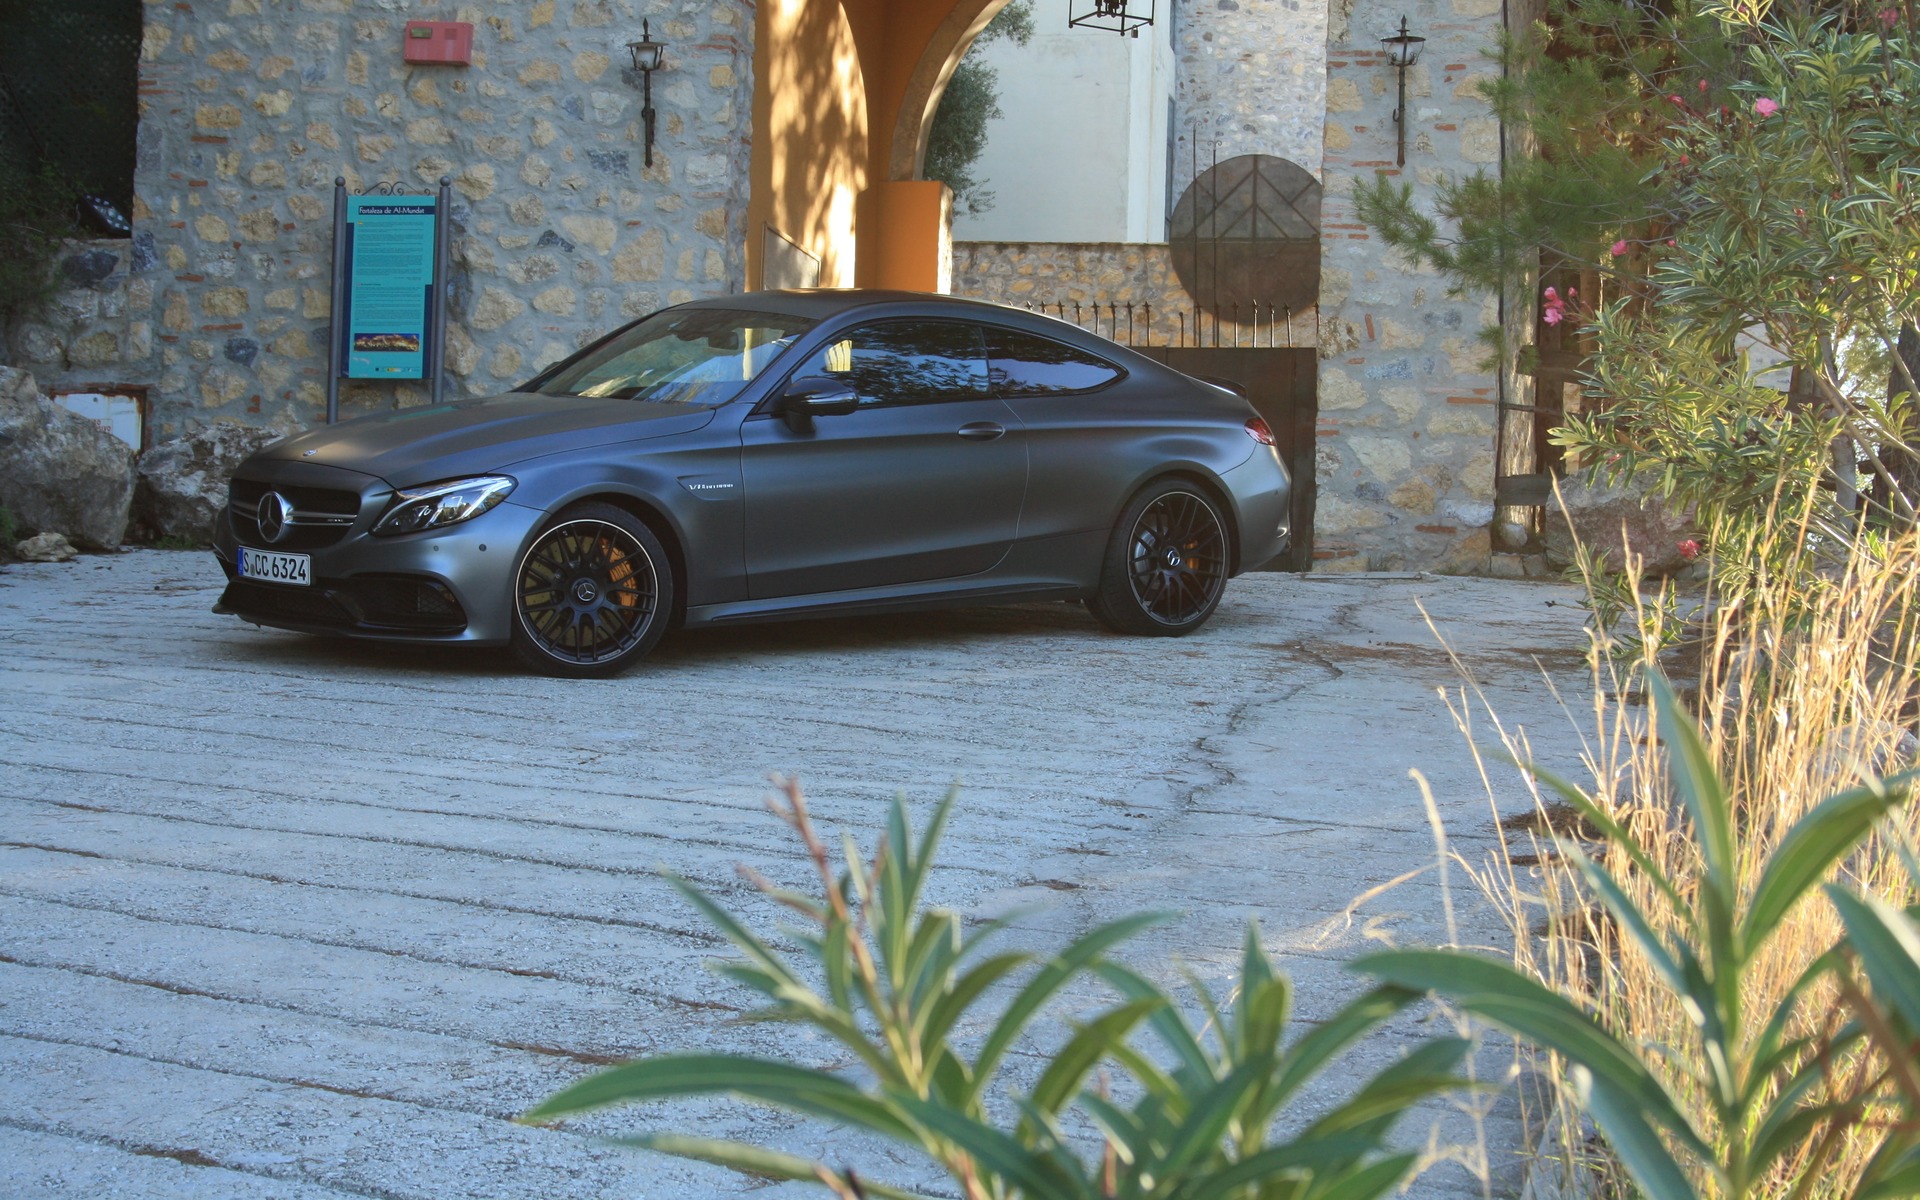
(1165, 565)
(592, 595)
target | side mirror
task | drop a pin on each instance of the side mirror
(816, 396)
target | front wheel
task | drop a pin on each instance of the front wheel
(592, 595)
(1166, 563)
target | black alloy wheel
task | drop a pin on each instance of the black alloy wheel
(1166, 564)
(592, 595)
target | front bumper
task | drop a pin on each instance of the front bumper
(445, 585)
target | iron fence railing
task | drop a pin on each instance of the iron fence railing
(1255, 324)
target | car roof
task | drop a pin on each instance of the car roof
(827, 302)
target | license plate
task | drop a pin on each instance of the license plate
(276, 568)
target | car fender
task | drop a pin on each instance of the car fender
(692, 494)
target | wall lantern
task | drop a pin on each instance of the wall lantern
(648, 55)
(1403, 50)
(1119, 16)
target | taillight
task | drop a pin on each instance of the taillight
(1258, 431)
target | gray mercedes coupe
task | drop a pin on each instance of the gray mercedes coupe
(760, 457)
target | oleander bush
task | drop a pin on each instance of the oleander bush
(1716, 959)
(1187, 1113)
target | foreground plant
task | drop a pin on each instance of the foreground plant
(897, 984)
(1753, 1102)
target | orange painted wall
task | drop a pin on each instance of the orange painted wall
(831, 79)
(810, 135)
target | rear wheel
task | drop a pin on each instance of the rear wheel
(1166, 563)
(592, 595)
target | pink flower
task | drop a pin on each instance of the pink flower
(1889, 17)
(1620, 247)
(1703, 86)
(1764, 107)
(1554, 309)
(1689, 549)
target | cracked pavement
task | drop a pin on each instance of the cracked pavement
(287, 917)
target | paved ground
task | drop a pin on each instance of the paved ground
(282, 917)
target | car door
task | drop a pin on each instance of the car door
(923, 480)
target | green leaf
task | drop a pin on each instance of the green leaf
(1373, 1180)
(1633, 1141)
(1816, 841)
(1308, 1155)
(1427, 1069)
(755, 1160)
(781, 1085)
(1790, 1125)
(1123, 1129)
(1206, 1122)
(738, 1156)
(1615, 835)
(1698, 781)
(936, 944)
(1084, 1050)
(1260, 1016)
(1629, 915)
(1052, 976)
(994, 1153)
(1898, 1178)
(941, 1015)
(1495, 991)
(1887, 942)
(757, 951)
(1168, 1024)
(1320, 1045)
(1768, 1054)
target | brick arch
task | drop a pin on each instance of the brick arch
(920, 99)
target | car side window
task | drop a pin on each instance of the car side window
(906, 362)
(1026, 364)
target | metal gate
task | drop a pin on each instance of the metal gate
(1279, 382)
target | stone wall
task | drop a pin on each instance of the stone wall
(96, 330)
(1108, 274)
(250, 108)
(1251, 79)
(1406, 462)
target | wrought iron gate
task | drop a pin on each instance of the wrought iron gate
(1280, 384)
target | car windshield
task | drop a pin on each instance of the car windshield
(697, 356)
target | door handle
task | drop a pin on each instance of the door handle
(981, 431)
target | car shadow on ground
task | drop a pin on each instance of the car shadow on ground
(885, 634)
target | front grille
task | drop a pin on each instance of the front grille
(369, 603)
(322, 515)
(402, 602)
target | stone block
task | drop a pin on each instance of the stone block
(60, 472)
(559, 300)
(1619, 519)
(182, 483)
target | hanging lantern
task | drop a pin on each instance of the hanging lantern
(1123, 17)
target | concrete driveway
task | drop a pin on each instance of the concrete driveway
(282, 917)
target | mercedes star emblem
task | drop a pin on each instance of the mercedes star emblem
(274, 515)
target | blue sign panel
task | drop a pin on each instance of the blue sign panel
(389, 286)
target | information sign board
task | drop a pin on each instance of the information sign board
(389, 286)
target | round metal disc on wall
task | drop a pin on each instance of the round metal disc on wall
(1247, 233)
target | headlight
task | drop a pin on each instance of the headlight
(443, 504)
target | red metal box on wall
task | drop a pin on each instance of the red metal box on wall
(447, 42)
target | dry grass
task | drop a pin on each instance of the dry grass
(1803, 691)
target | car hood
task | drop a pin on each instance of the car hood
(421, 445)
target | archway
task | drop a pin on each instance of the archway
(920, 99)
